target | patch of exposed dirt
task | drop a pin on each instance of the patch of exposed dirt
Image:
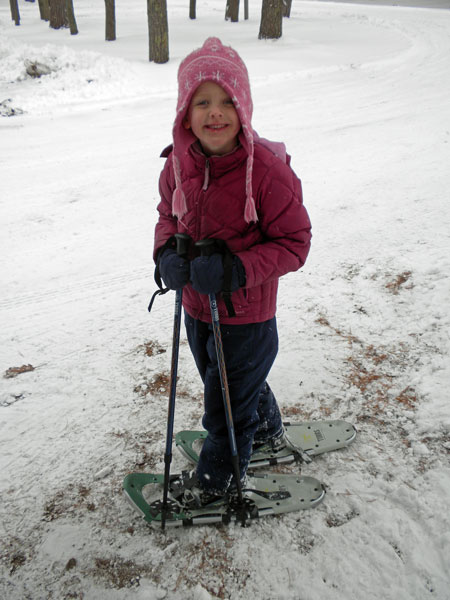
(67, 501)
(398, 283)
(158, 385)
(119, 573)
(14, 371)
(151, 348)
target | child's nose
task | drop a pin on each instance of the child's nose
(216, 110)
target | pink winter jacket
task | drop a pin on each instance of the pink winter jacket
(215, 194)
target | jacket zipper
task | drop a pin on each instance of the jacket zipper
(206, 179)
(199, 205)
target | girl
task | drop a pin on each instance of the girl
(222, 181)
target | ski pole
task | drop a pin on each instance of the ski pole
(183, 241)
(207, 248)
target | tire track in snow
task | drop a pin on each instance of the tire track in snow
(80, 289)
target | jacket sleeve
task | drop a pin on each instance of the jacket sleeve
(284, 225)
(166, 226)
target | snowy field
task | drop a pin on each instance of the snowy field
(360, 94)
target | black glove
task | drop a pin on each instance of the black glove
(207, 274)
(174, 269)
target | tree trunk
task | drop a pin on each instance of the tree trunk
(232, 11)
(192, 9)
(44, 10)
(158, 31)
(110, 20)
(271, 20)
(287, 4)
(57, 13)
(246, 9)
(71, 17)
(15, 15)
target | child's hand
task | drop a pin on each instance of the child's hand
(174, 269)
(207, 274)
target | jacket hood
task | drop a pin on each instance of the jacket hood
(222, 65)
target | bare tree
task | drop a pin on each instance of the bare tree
(15, 15)
(110, 20)
(57, 13)
(270, 27)
(158, 31)
(44, 10)
(232, 11)
(70, 14)
(287, 4)
(192, 9)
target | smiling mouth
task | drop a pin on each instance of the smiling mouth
(216, 127)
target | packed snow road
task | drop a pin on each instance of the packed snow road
(360, 96)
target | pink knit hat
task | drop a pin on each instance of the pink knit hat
(222, 65)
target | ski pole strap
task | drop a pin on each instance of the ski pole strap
(157, 293)
(170, 243)
(180, 242)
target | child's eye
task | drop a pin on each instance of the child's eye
(229, 102)
(201, 103)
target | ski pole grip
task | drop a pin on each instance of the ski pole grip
(206, 247)
(183, 241)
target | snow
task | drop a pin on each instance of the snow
(359, 93)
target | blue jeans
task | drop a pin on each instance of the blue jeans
(249, 352)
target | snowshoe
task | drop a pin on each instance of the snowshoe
(264, 494)
(302, 442)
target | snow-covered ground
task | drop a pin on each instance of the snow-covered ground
(360, 94)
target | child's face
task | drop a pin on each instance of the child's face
(213, 119)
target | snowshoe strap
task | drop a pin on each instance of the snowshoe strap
(299, 452)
